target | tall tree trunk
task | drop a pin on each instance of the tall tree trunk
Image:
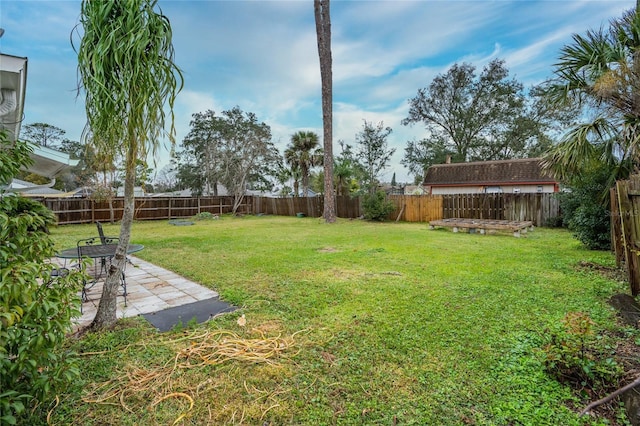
(305, 181)
(106, 315)
(323, 33)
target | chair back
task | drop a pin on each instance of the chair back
(101, 232)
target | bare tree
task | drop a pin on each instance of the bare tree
(323, 33)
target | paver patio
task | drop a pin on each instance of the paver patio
(150, 288)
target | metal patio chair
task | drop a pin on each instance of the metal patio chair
(101, 250)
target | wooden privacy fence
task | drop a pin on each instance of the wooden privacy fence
(84, 210)
(625, 228)
(537, 208)
(346, 207)
(534, 207)
(416, 208)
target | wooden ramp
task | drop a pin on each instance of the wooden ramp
(517, 227)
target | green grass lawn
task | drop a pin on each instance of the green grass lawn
(384, 323)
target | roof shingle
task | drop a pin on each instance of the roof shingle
(488, 172)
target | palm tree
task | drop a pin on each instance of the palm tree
(302, 155)
(600, 71)
(126, 91)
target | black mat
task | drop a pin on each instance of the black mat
(202, 311)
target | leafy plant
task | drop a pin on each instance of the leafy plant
(376, 206)
(577, 356)
(36, 307)
(585, 211)
(206, 216)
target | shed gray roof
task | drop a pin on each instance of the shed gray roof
(527, 170)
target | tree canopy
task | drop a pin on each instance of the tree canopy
(302, 155)
(373, 152)
(233, 149)
(600, 73)
(472, 117)
(43, 134)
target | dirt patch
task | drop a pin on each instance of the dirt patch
(609, 272)
(327, 250)
(628, 309)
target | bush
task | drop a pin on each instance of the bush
(585, 210)
(206, 216)
(376, 206)
(576, 356)
(35, 311)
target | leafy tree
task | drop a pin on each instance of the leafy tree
(419, 155)
(323, 34)
(348, 171)
(283, 175)
(247, 154)
(373, 154)
(302, 155)
(126, 91)
(233, 149)
(600, 73)
(485, 117)
(78, 175)
(199, 166)
(43, 134)
(143, 174)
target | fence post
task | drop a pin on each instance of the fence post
(616, 227)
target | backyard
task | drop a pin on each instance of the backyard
(349, 323)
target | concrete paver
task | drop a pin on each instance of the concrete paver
(149, 289)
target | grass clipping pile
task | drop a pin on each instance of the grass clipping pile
(181, 379)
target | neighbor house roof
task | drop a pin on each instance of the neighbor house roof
(499, 172)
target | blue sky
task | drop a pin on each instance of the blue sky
(262, 56)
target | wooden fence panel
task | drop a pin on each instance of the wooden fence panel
(629, 207)
(617, 239)
(473, 206)
(537, 208)
(416, 208)
(348, 207)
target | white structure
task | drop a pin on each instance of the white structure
(13, 85)
(47, 162)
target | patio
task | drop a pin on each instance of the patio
(150, 289)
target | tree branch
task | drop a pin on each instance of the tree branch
(609, 397)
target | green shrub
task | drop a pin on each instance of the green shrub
(585, 209)
(376, 206)
(575, 355)
(554, 222)
(206, 216)
(35, 311)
